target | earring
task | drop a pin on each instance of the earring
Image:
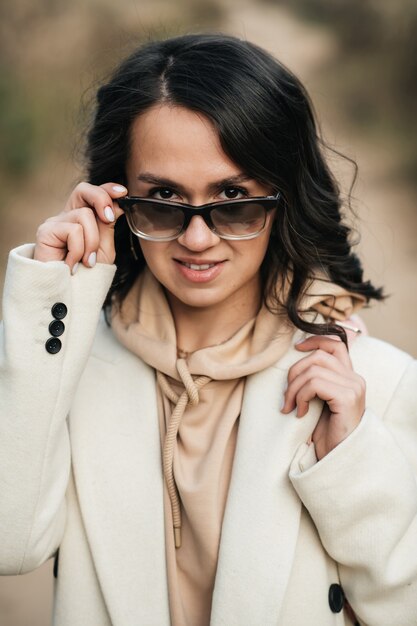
(132, 247)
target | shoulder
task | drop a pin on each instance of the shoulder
(107, 349)
(105, 346)
(374, 355)
(111, 363)
(368, 354)
(387, 370)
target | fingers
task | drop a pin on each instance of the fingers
(75, 232)
(340, 390)
(65, 241)
(332, 346)
(317, 387)
(325, 373)
(89, 232)
(84, 231)
(320, 358)
(103, 199)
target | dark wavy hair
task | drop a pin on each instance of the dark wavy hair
(266, 125)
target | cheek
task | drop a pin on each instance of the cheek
(145, 251)
(248, 262)
(153, 253)
(256, 251)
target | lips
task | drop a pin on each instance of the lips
(198, 267)
(201, 272)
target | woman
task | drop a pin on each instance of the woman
(199, 458)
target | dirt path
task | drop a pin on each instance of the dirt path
(389, 228)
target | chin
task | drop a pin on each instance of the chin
(196, 298)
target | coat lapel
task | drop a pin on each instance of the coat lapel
(261, 521)
(119, 481)
(118, 475)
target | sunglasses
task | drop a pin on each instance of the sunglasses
(161, 220)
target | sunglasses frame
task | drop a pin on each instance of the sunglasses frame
(189, 211)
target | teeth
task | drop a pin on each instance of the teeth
(200, 268)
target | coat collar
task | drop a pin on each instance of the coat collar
(261, 521)
(119, 483)
(117, 468)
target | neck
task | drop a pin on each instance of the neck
(200, 327)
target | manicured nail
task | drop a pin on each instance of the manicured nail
(92, 259)
(119, 188)
(74, 268)
(108, 212)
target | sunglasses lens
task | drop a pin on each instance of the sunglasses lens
(156, 220)
(239, 220)
(162, 221)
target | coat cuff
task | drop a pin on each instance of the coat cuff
(305, 458)
(364, 478)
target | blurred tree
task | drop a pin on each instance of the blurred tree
(16, 128)
(374, 72)
(54, 53)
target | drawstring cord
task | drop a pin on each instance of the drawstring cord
(188, 396)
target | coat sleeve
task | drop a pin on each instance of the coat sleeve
(362, 497)
(36, 387)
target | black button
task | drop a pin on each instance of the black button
(56, 328)
(336, 598)
(59, 310)
(53, 345)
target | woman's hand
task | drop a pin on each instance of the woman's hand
(327, 374)
(84, 230)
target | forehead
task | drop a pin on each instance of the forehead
(176, 142)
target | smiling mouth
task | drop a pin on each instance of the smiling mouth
(198, 268)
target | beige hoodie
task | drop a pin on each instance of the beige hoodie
(199, 402)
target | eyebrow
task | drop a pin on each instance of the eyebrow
(148, 177)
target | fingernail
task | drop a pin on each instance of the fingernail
(74, 268)
(108, 212)
(281, 408)
(92, 259)
(119, 188)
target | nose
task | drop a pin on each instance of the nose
(198, 236)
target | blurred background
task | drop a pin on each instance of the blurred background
(358, 60)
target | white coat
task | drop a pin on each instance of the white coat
(80, 470)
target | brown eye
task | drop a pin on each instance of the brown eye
(161, 193)
(232, 193)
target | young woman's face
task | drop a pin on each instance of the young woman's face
(176, 155)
